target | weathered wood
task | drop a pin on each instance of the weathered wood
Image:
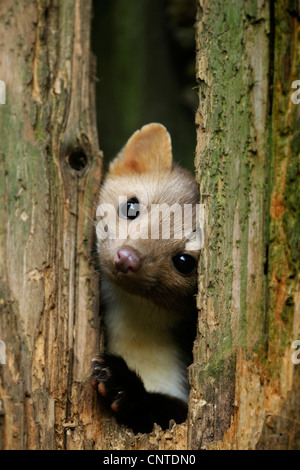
(244, 381)
(49, 289)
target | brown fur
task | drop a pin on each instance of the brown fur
(150, 144)
(144, 169)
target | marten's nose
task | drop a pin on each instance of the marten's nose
(126, 259)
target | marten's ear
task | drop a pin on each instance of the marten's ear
(148, 149)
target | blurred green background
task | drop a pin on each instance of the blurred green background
(145, 53)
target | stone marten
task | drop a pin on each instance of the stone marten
(148, 273)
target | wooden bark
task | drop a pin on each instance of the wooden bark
(245, 385)
(49, 289)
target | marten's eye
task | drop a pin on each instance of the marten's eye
(184, 263)
(130, 209)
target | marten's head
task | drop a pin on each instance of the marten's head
(149, 240)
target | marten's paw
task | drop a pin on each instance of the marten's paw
(124, 391)
(114, 381)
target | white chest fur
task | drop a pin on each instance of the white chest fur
(141, 333)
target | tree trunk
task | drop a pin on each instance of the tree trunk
(244, 380)
(50, 174)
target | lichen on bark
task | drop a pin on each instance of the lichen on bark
(248, 57)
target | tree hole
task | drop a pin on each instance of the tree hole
(77, 160)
